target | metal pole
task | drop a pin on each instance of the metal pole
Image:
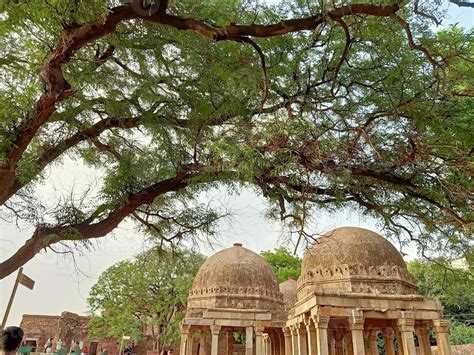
(7, 312)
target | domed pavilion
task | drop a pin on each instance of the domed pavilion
(235, 290)
(354, 285)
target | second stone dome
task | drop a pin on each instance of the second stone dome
(351, 259)
(235, 278)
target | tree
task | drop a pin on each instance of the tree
(454, 288)
(283, 263)
(148, 292)
(359, 106)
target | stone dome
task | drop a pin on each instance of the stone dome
(351, 259)
(235, 278)
(288, 289)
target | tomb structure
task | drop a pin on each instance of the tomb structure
(354, 287)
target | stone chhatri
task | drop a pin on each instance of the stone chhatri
(351, 259)
(353, 285)
(235, 278)
(288, 289)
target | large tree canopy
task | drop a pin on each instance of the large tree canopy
(362, 106)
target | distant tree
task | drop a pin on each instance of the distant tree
(149, 291)
(454, 288)
(283, 263)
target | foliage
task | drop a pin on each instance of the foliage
(315, 106)
(454, 288)
(460, 333)
(149, 291)
(283, 263)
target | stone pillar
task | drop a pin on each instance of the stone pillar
(339, 345)
(202, 342)
(302, 341)
(388, 341)
(356, 323)
(406, 326)
(268, 345)
(287, 337)
(189, 342)
(398, 335)
(265, 344)
(184, 337)
(442, 339)
(275, 340)
(259, 340)
(311, 332)
(422, 331)
(321, 324)
(281, 341)
(215, 330)
(372, 337)
(331, 342)
(348, 348)
(249, 341)
(294, 340)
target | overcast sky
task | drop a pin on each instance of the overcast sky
(63, 283)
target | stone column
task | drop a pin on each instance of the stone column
(294, 340)
(356, 323)
(202, 342)
(331, 342)
(422, 332)
(388, 341)
(398, 335)
(259, 340)
(288, 345)
(372, 337)
(215, 330)
(321, 324)
(249, 341)
(348, 348)
(339, 344)
(406, 326)
(189, 342)
(442, 339)
(269, 347)
(184, 337)
(311, 332)
(275, 340)
(265, 344)
(302, 341)
(281, 341)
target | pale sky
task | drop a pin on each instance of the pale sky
(63, 284)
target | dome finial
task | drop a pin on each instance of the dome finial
(237, 244)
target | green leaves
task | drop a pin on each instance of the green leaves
(450, 282)
(283, 263)
(149, 291)
(363, 111)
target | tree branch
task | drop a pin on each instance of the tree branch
(45, 236)
(74, 38)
